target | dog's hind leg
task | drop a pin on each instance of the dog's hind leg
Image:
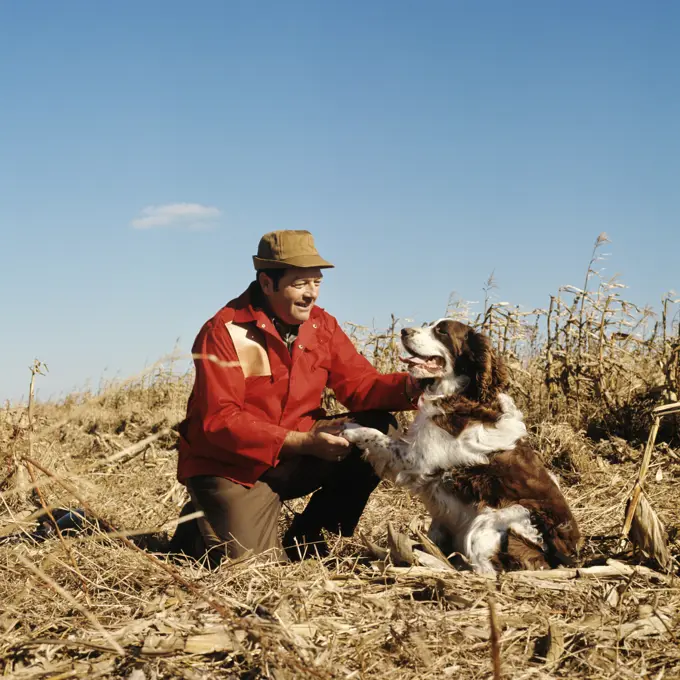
(516, 552)
(490, 529)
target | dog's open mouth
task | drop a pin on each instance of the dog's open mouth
(432, 364)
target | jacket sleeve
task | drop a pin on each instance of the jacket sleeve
(358, 385)
(218, 398)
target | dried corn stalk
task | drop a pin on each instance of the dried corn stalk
(648, 533)
(641, 525)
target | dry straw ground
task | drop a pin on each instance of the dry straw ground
(587, 370)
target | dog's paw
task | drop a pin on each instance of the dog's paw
(350, 426)
(359, 436)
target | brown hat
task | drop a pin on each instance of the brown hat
(288, 248)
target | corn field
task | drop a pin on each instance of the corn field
(587, 370)
(589, 358)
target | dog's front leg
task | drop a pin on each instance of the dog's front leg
(385, 454)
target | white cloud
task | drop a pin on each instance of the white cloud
(185, 215)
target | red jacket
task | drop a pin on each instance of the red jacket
(235, 426)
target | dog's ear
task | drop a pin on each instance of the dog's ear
(491, 376)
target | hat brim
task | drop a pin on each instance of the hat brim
(302, 261)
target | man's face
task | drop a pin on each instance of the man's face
(297, 292)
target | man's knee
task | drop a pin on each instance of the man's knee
(383, 421)
(236, 520)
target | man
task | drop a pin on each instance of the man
(255, 433)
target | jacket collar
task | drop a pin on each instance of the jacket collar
(249, 308)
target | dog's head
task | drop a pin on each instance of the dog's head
(453, 356)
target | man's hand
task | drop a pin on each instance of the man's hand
(414, 388)
(329, 446)
(319, 444)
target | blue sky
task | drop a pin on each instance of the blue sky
(425, 145)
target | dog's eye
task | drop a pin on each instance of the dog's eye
(439, 330)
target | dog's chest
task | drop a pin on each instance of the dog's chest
(437, 449)
(434, 448)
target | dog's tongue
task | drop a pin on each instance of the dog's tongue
(412, 361)
(419, 361)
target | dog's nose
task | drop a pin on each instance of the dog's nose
(405, 332)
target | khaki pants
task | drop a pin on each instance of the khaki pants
(239, 521)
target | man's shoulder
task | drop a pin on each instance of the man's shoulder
(223, 315)
(239, 306)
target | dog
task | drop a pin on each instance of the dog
(467, 456)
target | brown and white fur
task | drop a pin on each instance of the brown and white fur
(467, 457)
